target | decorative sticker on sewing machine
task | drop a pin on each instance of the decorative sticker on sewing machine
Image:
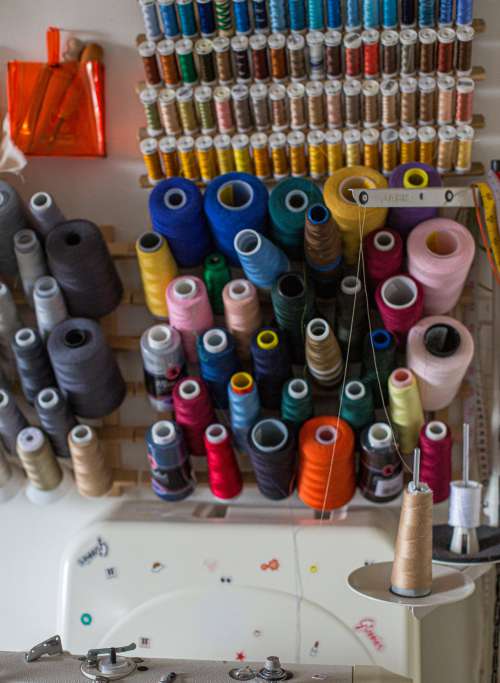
(313, 569)
(240, 656)
(313, 652)
(273, 565)
(144, 642)
(157, 567)
(257, 633)
(226, 579)
(210, 564)
(86, 619)
(100, 549)
(111, 572)
(367, 627)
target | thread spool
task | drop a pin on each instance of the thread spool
(190, 311)
(350, 317)
(169, 461)
(261, 260)
(323, 356)
(242, 313)
(10, 322)
(193, 412)
(163, 364)
(244, 406)
(56, 419)
(176, 210)
(357, 407)
(224, 476)
(406, 411)
(271, 364)
(293, 306)
(85, 368)
(12, 219)
(233, 202)
(440, 254)
(400, 302)
(383, 252)
(296, 403)
(379, 360)
(38, 459)
(412, 569)
(216, 274)
(32, 363)
(339, 200)
(88, 292)
(412, 176)
(157, 268)
(439, 351)
(45, 212)
(464, 515)
(30, 261)
(218, 362)
(380, 477)
(50, 308)
(435, 443)
(326, 478)
(93, 472)
(272, 450)
(323, 250)
(288, 205)
(12, 421)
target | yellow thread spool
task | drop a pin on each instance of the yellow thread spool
(224, 153)
(157, 268)
(168, 152)
(187, 158)
(149, 151)
(415, 179)
(371, 138)
(260, 153)
(334, 151)
(317, 154)
(267, 340)
(407, 145)
(297, 148)
(426, 145)
(406, 411)
(241, 151)
(241, 382)
(389, 151)
(93, 472)
(205, 155)
(338, 198)
(465, 138)
(352, 140)
(279, 159)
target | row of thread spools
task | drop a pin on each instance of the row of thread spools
(63, 363)
(438, 348)
(189, 19)
(316, 56)
(318, 155)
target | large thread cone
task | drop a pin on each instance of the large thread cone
(412, 567)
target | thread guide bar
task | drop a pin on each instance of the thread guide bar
(432, 197)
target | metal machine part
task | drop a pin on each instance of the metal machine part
(455, 197)
(105, 664)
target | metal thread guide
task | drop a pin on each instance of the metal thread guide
(464, 539)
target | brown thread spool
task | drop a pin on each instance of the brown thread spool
(93, 473)
(427, 100)
(206, 61)
(224, 110)
(239, 48)
(297, 101)
(323, 356)
(446, 91)
(296, 57)
(352, 101)
(333, 96)
(465, 36)
(147, 51)
(446, 51)
(223, 61)
(315, 105)
(241, 106)
(465, 100)
(389, 90)
(260, 109)
(167, 103)
(408, 39)
(258, 50)
(371, 115)
(333, 54)
(412, 568)
(38, 459)
(446, 148)
(168, 62)
(322, 242)
(389, 41)
(277, 56)
(427, 38)
(242, 313)
(408, 89)
(279, 112)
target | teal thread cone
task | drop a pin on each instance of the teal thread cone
(296, 402)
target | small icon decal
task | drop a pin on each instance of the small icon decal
(111, 572)
(313, 569)
(367, 627)
(273, 565)
(211, 564)
(144, 642)
(100, 549)
(313, 652)
(86, 619)
(157, 567)
(240, 656)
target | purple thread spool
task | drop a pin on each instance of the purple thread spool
(405, 219)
